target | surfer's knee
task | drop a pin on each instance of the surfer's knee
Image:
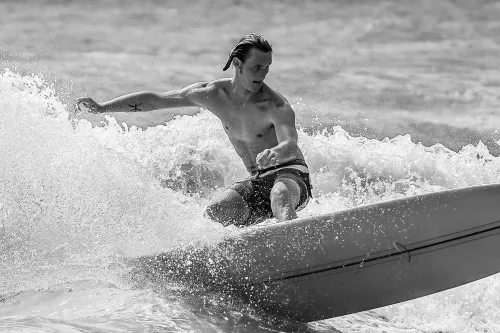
(228, 209)
(215, 212)
(285, 196)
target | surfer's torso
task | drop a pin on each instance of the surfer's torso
(249, 124)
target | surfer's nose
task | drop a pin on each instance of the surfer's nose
(263, 72)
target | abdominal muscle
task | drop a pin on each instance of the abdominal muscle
(249, 129)
(249, 148)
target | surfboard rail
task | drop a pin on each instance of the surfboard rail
(362, 258)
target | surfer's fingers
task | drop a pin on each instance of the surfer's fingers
(76, 107)
(272, 156)
(89, 103)
(261, 157)
(265, 159)
(267, 153)
(273, 160)
(78, 101)
(270, 160)
(81, 100)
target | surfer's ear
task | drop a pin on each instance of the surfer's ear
(237, 63)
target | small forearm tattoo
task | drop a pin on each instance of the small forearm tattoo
(135, 107)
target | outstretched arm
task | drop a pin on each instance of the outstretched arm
(192, 95)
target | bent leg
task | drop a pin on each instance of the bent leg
(228, 208)
(285, 197)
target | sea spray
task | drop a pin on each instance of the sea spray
(75, 199)
(66, 200)
(188, 154)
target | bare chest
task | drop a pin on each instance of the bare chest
(248, 124)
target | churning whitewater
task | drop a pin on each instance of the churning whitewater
(78, 200)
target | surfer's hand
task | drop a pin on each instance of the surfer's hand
(267, 158)
(91, 105)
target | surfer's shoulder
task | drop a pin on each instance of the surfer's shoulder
(277, 100)
(201, 86)
(210, 88)
(220, 86)
(199, 92)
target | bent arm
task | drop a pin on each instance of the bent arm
(286, 133)
(287, 149)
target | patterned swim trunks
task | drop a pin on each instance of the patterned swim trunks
(256, 189)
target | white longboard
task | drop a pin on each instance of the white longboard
(354, 260)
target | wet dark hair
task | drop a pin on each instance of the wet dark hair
(244, 46)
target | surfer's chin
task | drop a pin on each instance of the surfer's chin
(255, 86)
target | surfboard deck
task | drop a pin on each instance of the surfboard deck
(371, 256)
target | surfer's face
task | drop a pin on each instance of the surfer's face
(255, 68)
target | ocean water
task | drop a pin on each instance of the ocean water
(78, 201)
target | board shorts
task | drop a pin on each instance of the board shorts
(256, 189)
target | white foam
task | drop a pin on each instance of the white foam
(73, 199)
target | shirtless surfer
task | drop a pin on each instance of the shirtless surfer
(259, 122)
